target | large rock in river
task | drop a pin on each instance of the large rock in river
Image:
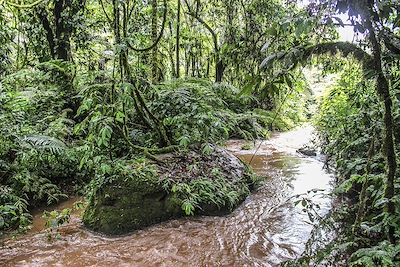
(136, 194)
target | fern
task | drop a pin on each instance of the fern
(64, 68)
(38, 188)
(197, 111)
(34, 122)
(44, 143)
(13, 209)
(383, 255)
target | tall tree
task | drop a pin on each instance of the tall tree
(178, 23)
(154, 34)
(219, 64)
(371, 17)
(59, 25)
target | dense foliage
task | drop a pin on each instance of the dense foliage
(89, 89)
(35, 131)
(350, 130)
(86, 86)
(358, 124)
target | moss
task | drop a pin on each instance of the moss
(135, 195)
(126, 204)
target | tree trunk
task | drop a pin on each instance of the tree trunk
(219, 70)
(208, 66)
(187, 61)
(42, 15)
(154, 52)
(219, 66)
(178, 22)
(62, 33)
(193, 65)
(171, 53)
(382, 88)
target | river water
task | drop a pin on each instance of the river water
(265, 230)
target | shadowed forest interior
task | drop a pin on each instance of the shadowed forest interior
(268, 132)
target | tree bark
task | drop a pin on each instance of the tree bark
(219, 70)
(154, 52)
(178, 22)
(382, 88)
(62, 32)
(42, 14)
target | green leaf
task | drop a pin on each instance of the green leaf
(105, 136)
(247, 89)
(119, 116)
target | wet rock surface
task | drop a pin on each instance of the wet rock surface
(307, 151)
(123, 205)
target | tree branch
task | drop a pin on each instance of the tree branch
(345, 48)
(300, 54)
(159, 36)
(196, 16)
(105, 13)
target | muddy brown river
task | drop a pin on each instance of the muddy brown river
(265, 230)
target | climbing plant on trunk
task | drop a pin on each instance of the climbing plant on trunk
(59, 25)
(368, 17)
(122, 45)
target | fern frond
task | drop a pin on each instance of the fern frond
(59, 66)
(45, 143)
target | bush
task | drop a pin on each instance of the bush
(350, 127)
(197, 111)
(35, 132)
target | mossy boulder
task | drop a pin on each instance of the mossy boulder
(135, 194)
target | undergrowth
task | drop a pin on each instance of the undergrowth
(197, 111)
(35, 132)
(59, 130)
(350, 129)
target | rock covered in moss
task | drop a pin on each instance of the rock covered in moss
(136, 194)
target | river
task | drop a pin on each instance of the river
(266, 229)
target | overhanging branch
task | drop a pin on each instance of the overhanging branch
(300, 54)
(344, 48)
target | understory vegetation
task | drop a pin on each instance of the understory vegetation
(349, 123)
(98, 91)
(79, 100)
(49, 153)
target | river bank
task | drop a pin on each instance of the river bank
(268, 228)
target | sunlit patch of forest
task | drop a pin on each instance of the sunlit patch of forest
(96, 93)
